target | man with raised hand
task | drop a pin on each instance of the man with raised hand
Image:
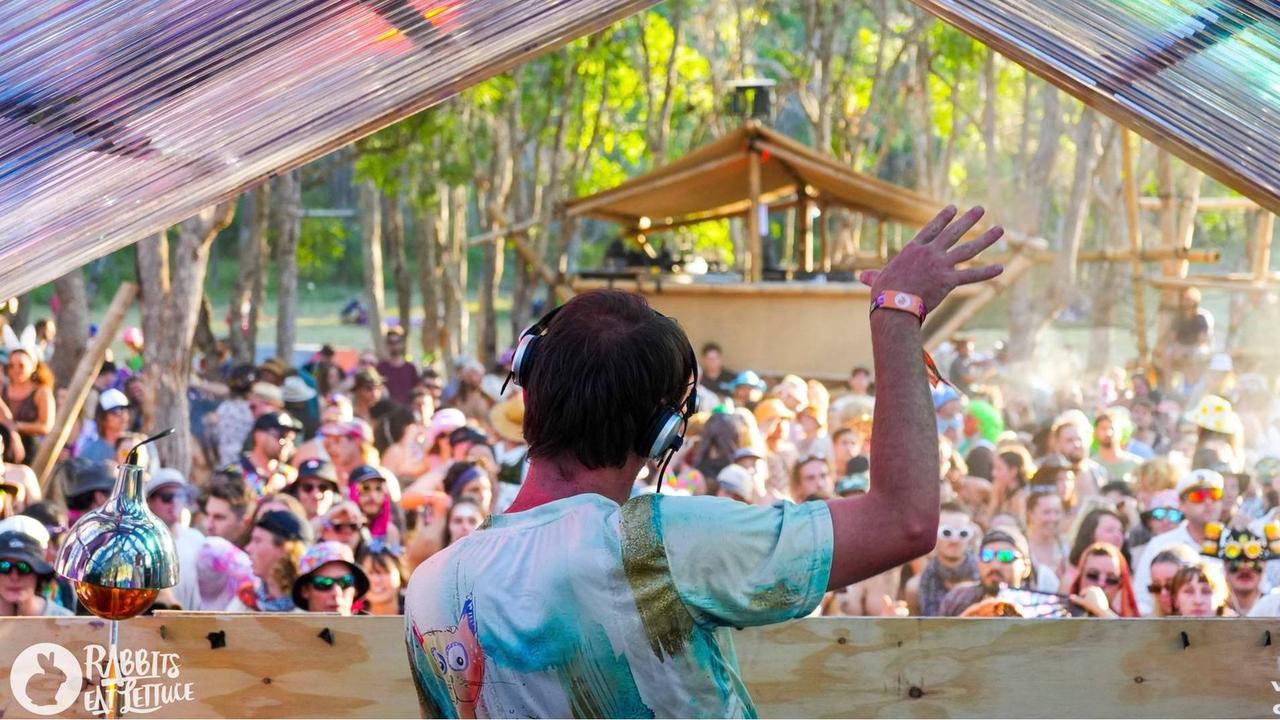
(583, 601)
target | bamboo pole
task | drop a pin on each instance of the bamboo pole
(806, 234)
(882, 241)
(1262, 245)
(753, 267)
(1213, 203)
(1132, 221)
(81, 381)
(1217, 282)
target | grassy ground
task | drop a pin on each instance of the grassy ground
(318, 321)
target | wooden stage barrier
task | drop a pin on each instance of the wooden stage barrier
(275, 666)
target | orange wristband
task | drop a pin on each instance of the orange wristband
(894, 300)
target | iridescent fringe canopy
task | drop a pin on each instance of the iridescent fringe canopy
(1199, 77)
(121, 117)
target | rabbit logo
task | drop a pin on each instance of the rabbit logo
(45, 679)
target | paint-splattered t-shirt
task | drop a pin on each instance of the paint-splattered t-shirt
(582, 608)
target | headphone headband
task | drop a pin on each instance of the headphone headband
(665, 433)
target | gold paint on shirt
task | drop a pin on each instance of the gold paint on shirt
(666, 620)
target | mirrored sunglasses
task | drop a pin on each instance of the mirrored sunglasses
(324, 583)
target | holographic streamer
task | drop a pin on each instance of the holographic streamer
(121, 117)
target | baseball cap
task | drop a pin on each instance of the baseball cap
(24, 548)
(443, 422)
(321, 554)
(355, 428)
(1011, 536)
(284, 525)
(277, 421)
(26, 525)
(111, 398)
(1199, 478)
(319, 469)
(164, 477)
(736, 480)
(743, 453)
(467, 434)
(360, 473)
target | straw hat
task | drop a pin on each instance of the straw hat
(507, 418)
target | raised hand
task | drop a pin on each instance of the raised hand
(926, 266)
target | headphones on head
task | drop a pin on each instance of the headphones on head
(666, 430)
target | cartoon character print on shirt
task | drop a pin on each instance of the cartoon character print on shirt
(457, 659)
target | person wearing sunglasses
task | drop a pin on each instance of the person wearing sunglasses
(1102, 585)
(24, 573)
(265, 463)
(329, 580)
(345, 523)
(1101, 524)
(951, 563)
(1200, 500)
(316, 487)
(1162, 514)
(1004, 560)
(167, 495)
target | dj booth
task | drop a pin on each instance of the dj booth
(186, 665)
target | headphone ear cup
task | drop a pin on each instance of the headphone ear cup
(522, 361)
(664, 434)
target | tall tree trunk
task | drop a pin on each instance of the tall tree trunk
(246, 299)
(399, 263)
(288, 207)
(204, 341)
(371, 242)
(1033, 204)
(1063, 287)
(169, 312)
(460, 319)
(72, 320)
(428, 252)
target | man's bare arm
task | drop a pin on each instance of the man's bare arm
(898, 519)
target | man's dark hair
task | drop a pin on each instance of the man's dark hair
(232, 489)
(1119, 486)
(605, 366)
(708, 347)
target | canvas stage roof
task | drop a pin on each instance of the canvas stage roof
(712, 182)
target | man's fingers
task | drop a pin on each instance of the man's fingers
(962, 225)
(934, 226)
(969, 250)
(868, 277)
(979, 274)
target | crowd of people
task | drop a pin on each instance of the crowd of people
(1120, 497)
